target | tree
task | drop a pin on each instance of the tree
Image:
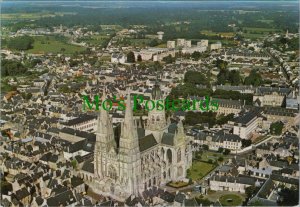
(195, 77)
(153, 43)
(254, 79)
(276, 128)
(220, 159)
(205, 147)
(12, 67)
(130, 57)
(74, 163)
(139, 58)
(246, 142)
(226, 152)
(250, 191)
(21, 43)
(234, 77)
(169, 59)
(220, 149)
(288, 197)
(196, 55)
(221, 64)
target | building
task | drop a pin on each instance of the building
(188, 43)
(203, 43)
(118, 58)
(220, 140)
(232, 184)
(270, 96)
(171, 44)
(140, 157)
(155, 54)
(82, 123)
(160, 35)
(216, 46)
(245, 125)
(180, 42)
(227, 106)
(190, 50)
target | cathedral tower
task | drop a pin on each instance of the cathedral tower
(105, 142)
(129, 153)
(156, 123)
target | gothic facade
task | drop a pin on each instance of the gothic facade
(142, 157)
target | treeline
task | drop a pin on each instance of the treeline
(20, 43)
(191, 87)
(210, 118)
(12, 67)
(234, 78)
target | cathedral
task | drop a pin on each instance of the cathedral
(144, 155)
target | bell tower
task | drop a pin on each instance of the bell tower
(156, 122)
(105, 141)
(129, 152)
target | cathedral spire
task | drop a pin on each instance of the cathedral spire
(129, 126)
(104, 126)
(103, 117)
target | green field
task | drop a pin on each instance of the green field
(49, 44)
(199, 170)
(17, 16)
(257, 29)
(231, 200)
(96, 40)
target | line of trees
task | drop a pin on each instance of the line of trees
(20, 43)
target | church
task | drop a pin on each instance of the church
(143, 155)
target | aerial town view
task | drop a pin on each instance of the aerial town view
(149, 103)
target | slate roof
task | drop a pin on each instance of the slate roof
(147, 142)
(22, 193)
(246, 118)
(168, 139)
(240, 179)
(76, 181)
(81, 119)
(88, 166)
(66, 198)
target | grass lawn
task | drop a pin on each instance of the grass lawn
(208, 155)
(257, 29)
(260, 139)
(96, 40)
(230, 200)
(48, 44)
(199, 170)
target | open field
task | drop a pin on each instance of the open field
(49, 44)
(257, 29)
(222, 34)
(96, 40)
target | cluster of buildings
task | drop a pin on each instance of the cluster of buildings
(53, 153)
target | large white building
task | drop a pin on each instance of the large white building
(216, 46)
(140, 157)
(180, 42)
(190, 50)
(203, 43)
(155, 54)
(118, 58)
(171, 44)
(232, 184)
(244, 126)
(219, 140)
